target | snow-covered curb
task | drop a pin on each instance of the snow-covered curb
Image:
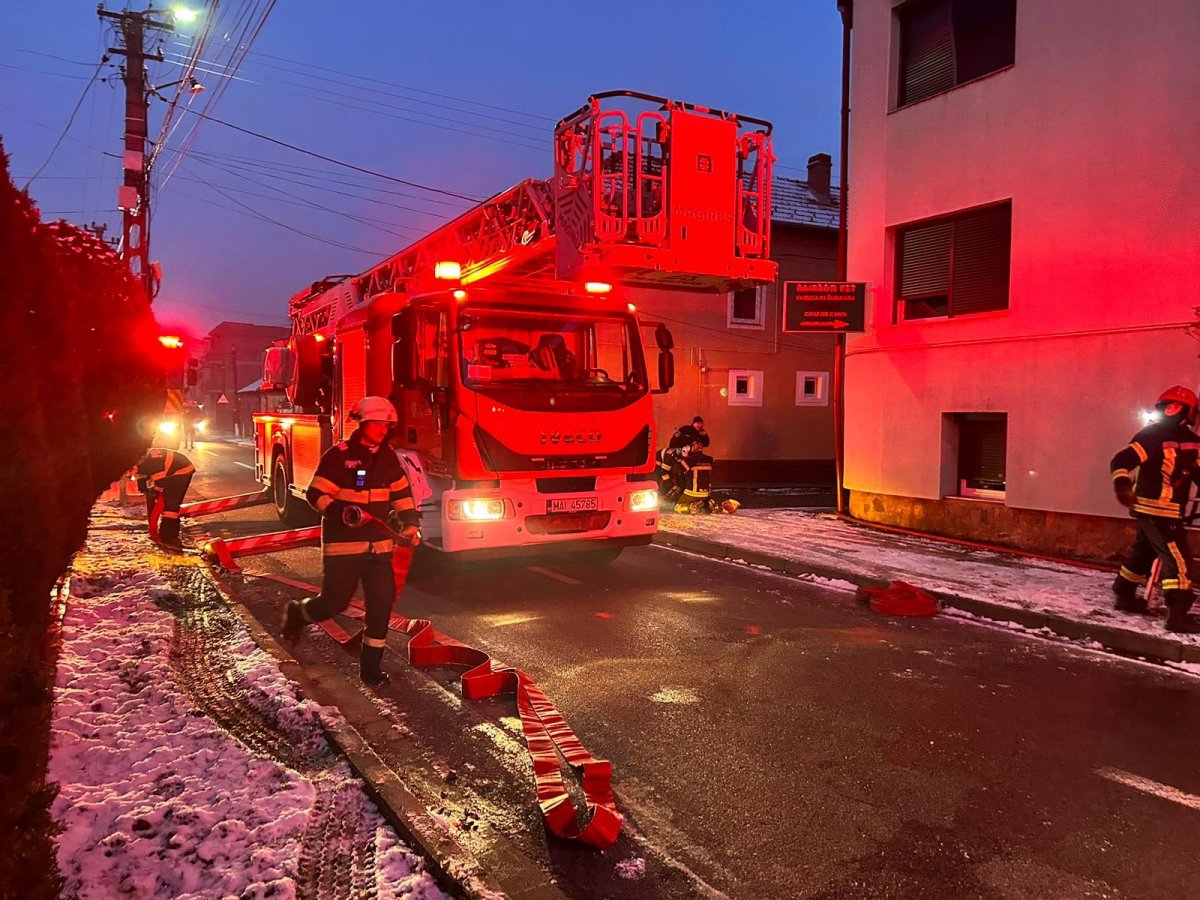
(1031, 588)
(155, 799)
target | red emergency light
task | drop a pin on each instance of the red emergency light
(171, 341)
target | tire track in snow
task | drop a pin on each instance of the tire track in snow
(338, 849)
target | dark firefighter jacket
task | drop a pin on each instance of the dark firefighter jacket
(1164, 455)
(350, 473)
(686, 435)
(158, 464)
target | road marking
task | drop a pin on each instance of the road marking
(1158, 789)
(557, 576)
(244, 465)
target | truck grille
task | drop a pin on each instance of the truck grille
(567, 523)
(566, 485)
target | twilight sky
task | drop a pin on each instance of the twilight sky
(457, 94)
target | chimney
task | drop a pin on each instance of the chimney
(819, 167)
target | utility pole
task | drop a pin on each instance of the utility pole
(133, 197)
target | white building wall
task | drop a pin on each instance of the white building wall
(1094, 134)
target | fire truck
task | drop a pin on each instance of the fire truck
(519, 369)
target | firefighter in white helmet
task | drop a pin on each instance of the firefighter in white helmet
(357, 485)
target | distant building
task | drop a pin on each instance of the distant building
(233, 359)
(1025, 208)
(764, 395)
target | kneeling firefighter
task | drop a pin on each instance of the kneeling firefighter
(357, 485)
(1164, 455)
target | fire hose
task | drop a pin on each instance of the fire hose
(548, 737)
(356, 517)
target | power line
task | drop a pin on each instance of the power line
(41, 72)
(362, 220)
(309, 65)
(261, 216)
(70, 121)
(246, 175)
(337, 162)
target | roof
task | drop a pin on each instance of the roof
(793, 203)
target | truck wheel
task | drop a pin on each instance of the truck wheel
(290, 509)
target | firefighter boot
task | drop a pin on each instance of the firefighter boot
(1127, 598)
(1178, 620)
(168, 532)
(294, 621)
(369, 665)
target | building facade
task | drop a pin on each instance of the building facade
(232, 360)
(764, 395)
(1025, 210)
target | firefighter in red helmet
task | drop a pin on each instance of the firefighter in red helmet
(1153, 476)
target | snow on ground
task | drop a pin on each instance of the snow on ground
(1059, 589)
(155, 799)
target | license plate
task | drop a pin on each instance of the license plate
(574, 504)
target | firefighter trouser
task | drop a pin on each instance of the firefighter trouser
(342, 575)
(1165, 539)
(173, 488)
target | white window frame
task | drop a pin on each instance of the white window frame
(758, 323)
(821, 397)
(755, 382)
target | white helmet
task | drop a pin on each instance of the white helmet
(374, 409)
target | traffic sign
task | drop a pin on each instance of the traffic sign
(222, 399)
(823, 306)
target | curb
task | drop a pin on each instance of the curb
(453, 866)
(1119, 640)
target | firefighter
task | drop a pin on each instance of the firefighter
(686, 435)
(360, 475)
(1164, 455)
(165, 473)
(189, 415)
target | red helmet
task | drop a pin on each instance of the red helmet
(1185, 397)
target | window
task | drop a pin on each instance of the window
(944, 43)
(745, 387)
(954, 266)
(746, 308)
(812, 389)
(982, 450)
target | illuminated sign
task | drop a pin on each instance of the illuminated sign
(823, 306)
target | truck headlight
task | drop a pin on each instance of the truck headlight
(476, 510)
(643, 501)
(167, 427)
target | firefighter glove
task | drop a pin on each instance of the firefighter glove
(1124, 492)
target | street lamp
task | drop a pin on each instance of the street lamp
(183, 15)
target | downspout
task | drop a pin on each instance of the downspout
(846, 8)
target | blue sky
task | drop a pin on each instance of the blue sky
(462, 95)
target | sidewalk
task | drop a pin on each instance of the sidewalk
(187, 764)
(1050, 598)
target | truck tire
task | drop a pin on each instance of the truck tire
(290, 508)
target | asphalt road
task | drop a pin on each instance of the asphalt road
(770, 738)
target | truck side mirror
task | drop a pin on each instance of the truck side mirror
(405, 369)
(666, 371)
(663, 338)
(313, 359)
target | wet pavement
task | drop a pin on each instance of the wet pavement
(770, 738)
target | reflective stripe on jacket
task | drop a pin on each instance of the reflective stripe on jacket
(1164, 458)
(159, 463)
(353, 473)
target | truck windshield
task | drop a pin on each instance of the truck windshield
(544, 353)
